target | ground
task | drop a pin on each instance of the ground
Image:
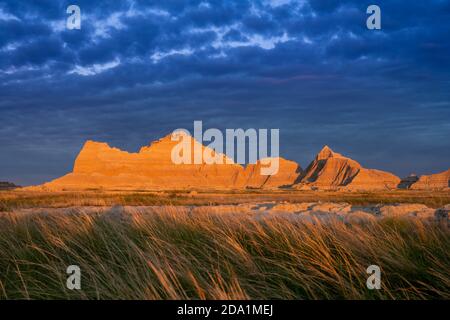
(224, 245)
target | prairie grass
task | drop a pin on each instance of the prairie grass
(10, 200)
(176, 255)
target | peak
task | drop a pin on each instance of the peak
(167, 137)
(325, 153)
(88, 142)
(159, 143)
(95, 144)
(326, 149)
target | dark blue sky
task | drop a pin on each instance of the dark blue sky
(139, 69)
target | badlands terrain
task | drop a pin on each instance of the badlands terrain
(140, 227)
(100, 167)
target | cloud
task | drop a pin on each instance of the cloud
(95, 68)
(7, 16)
(136, 70)
(161, 55)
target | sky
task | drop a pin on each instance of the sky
(137, 70)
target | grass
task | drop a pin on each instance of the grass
(11, 200)
(21, 200)
(175, 255)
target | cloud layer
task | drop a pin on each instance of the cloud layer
(139, 69)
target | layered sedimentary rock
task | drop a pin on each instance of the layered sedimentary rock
(438, 181)
(100, 166)
(288, 173)
(332, 171)
(372, 179)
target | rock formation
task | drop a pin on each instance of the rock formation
(438, 181)
(407, 182)
(332, 171)
(98, 166)
(7, 185)
(287, 174)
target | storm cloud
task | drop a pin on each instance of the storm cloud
(136, 70)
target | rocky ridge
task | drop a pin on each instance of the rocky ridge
(99, 166)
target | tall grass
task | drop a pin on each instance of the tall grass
(177, 255)
(11, 200)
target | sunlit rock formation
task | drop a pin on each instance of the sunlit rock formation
(99, 166)
(332, 171)
(438, 181)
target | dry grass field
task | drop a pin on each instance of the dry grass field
(10, 200)
(173, 254)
